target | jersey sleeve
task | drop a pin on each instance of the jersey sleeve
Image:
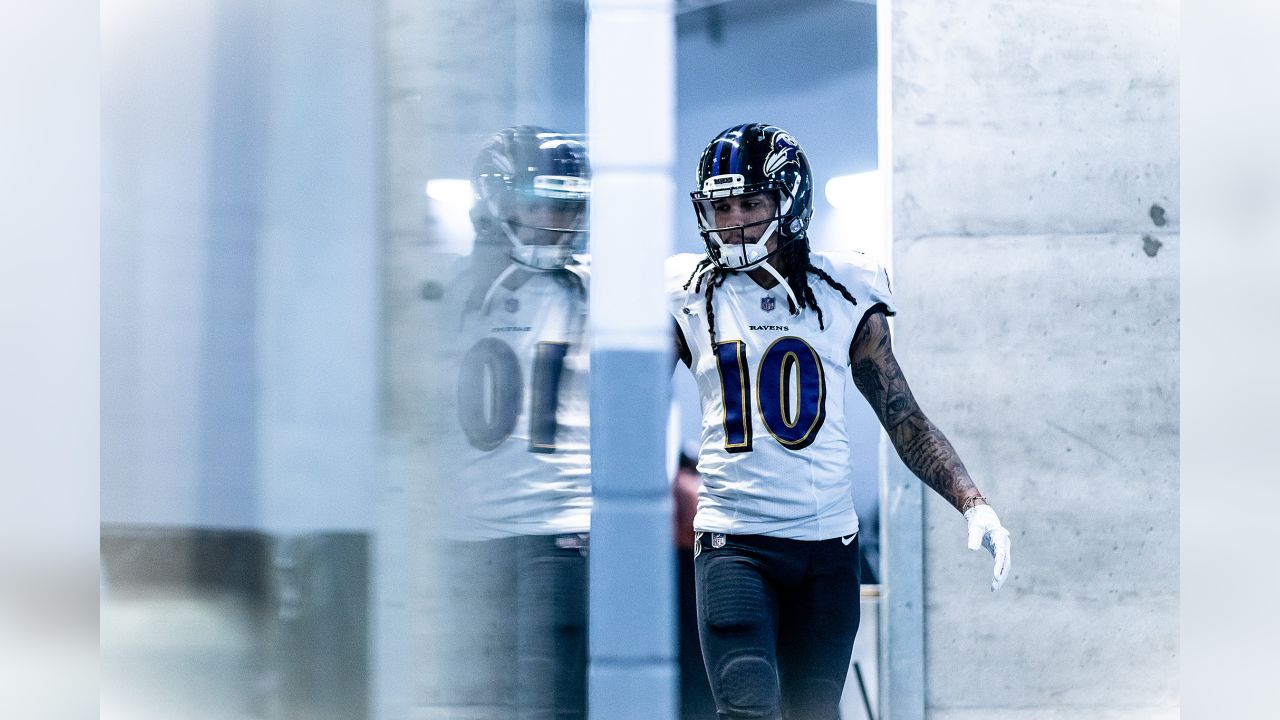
(880, 292)
(679, 268)
(867, 280)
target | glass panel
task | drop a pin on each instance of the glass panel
(290, 436)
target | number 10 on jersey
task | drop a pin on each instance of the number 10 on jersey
(790, 390)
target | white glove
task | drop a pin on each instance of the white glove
(986, 531)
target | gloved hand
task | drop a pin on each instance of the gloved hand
(986, 531)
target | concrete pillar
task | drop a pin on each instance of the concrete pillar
(319, 272)
(317, 350)
(1035, 171)
(632, 628)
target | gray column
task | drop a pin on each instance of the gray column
(902, 660)
(902, 677)
(631, 121)
(318, 350)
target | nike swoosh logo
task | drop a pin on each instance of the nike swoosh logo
(847, 540)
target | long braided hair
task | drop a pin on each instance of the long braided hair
(794, 264)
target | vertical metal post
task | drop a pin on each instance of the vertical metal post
(902, 610)
(630, 91)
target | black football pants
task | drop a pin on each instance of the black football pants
(551, 637)
(531, 624)
(777, 619)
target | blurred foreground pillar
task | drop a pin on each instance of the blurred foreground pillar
(317, 340)
(630, 110)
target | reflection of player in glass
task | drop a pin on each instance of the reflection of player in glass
(773, 333)
(523, 481)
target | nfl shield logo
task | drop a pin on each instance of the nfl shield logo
(512, 305)
(767, 303)
(717, 540)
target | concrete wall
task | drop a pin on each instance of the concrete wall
(1036, 250)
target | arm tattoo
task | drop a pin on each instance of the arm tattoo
(921, 445)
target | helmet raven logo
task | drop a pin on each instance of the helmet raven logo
(784, 151)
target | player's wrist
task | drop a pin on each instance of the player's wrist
(972, 502)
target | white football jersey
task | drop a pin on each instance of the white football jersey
(775, 448)
(521, 447)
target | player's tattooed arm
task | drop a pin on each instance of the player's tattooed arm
(921, 445)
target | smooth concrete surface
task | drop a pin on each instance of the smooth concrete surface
(866, 660)
(446, 89)
(1036, 257)
(455, 73)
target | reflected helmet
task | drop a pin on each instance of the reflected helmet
(533, 179)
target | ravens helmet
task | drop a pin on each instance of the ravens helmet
(747, 159)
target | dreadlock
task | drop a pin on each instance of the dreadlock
(793, 264)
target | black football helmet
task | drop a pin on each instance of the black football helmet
(745, 159)
(534, 186)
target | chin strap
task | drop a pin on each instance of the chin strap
(768, 266)
(497, 283)
(527, 255)
(763, 242)
(740, 249)
(763, 265)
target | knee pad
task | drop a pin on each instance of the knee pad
(748, 684)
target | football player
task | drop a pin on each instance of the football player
(773, 333)
(522, 484)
